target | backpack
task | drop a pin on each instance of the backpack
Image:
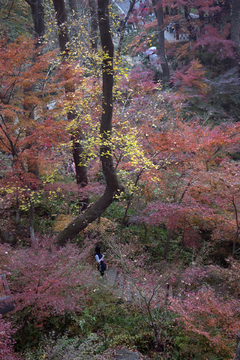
(102, 265)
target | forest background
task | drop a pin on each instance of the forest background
(111, 134)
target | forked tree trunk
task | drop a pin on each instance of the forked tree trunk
(113, 187)
(77, 137)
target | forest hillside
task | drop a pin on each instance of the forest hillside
(119, 129)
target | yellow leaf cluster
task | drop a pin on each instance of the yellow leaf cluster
(62, 221)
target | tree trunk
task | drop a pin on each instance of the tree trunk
(113, 187)
(94, 24)
(235, 23)
(161, 48)
(77, 136)
(167, 245)
(31, 228)
(202, 21)
(61, 16)
(235, 19)
(170, 231)
(237, 357)
(237, 227)
(75, 17)
(37, 9)
(81, 171)
(129, 203)
(2, 236)
(186, 12)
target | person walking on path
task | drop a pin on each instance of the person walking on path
(100, 261)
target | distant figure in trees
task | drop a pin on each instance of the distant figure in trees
(142, 7)
(130, 25)
(120, 24)
(71, 168)
(143, 10)
(99, 258)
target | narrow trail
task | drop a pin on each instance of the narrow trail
(119, 284)
(123, 286)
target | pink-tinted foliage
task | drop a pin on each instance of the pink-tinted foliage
(47, 280)
(135, 17)
(206, 6)
(187, 216)
(198, 180)
(191, 237)
(207, 316)
(215, 44)
(193, 275)
(6, 342)
(191, 78)
(138, 81)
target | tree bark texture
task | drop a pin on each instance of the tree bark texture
(74, 18)
(77, 137)
(28, 107)
(113, 187)
(237, 357)
(235, 23)
(31, 228)
(2, 236)
(61, 16)
(161, 48)
(37, 9)
(235, 33)
(94, 23)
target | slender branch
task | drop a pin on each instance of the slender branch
(9, 11)
(123, 26)
(171, 231)
(237, 223)
(13, 150)
(129, 203)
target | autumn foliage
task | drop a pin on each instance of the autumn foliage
(6, 342)
(162, 180)
(204, 314)
(46, 281)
